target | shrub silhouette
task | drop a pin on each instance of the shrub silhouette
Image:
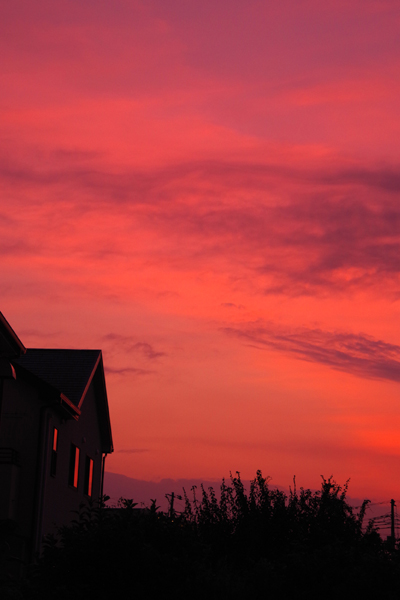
(241, 544)
(267, 521)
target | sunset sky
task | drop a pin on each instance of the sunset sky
(208, 191)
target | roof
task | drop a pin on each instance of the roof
(10, 344)
(69, 373)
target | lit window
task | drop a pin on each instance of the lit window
(53, 462)
(74, 466)
(88, 476)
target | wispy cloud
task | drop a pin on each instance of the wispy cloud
(127, 371)
(165, 164)
(360, 355)
(145, 349)
(232, 305)
(125, 349)
(298, 231)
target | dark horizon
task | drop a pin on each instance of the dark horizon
(143, 492)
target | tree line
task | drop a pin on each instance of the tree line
(261, 543)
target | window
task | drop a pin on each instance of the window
(88, 476)
(73, 466)
(53, 461)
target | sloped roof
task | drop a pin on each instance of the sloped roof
(68, 371)
(10, 344)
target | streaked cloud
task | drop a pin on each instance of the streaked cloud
(127, 371)
(130, 345)
(299, 231)
(360, 355)
(168, 169)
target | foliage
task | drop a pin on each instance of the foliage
(268, 522)
(259, 543)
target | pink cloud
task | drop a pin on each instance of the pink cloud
(129, 345)
(297, 231)
(130, 371)
(165, 164)
(360, 355)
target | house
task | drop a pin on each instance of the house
(55, 434)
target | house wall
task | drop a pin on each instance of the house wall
(9, 485)
(36, 500)
(20, 431)
(59, 498)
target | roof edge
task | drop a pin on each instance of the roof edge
(16, 343)
(89, 381)
(75, 411)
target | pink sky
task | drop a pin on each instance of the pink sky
(209, 193)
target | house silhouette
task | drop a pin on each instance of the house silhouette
(55, 434)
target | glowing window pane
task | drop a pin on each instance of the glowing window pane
(74, 466)
(88, 476)
(55, 439)
(53, 460)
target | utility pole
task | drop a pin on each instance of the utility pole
(171, 503)
(392, 505)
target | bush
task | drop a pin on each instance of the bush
(238, 545)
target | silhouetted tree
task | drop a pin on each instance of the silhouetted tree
(241, 544)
